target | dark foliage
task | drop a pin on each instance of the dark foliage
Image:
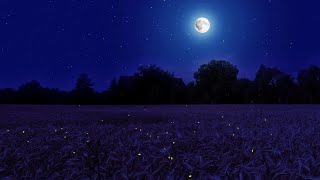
(84, 92)
(215, 83)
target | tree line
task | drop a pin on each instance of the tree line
(215, 83)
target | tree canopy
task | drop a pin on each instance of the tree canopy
(215, 83)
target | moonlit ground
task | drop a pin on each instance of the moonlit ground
(77, 142)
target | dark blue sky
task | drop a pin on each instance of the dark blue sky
(53, 41)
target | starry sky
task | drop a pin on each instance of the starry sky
(53, 41)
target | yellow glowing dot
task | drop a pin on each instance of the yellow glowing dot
(171, 158)
(190, 176)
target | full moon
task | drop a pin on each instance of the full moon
(202, 25)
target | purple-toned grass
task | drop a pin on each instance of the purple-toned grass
(157, 142)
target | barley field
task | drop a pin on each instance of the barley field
(160, 142)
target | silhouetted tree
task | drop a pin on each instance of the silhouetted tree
(191, 93)
(32, 93)
(309, 81)
(112, 92)
(8, 96)
(243, 91)
(215, 81)
(265, 83)
(154, 85)
(126, 93)
(285, 88)
(84, 92)
(178, 92)
(274, 86)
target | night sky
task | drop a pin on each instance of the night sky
(53, 41)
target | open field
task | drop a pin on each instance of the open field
(125, 142)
